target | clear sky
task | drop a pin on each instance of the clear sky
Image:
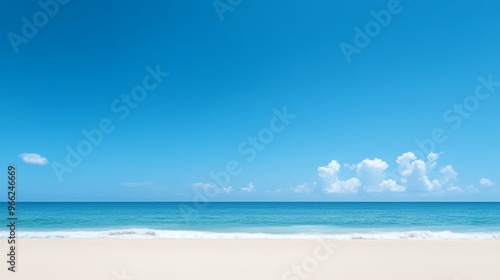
(251, 100)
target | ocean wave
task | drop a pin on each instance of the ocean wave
(137, 233)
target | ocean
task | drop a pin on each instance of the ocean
(259, 220)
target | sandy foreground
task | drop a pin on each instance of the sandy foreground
(122, 259)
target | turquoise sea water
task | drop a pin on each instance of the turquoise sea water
(258, 220)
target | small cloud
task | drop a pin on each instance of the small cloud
(139, 184)
(486, 182)
(350, 166)
(280, 190)
(303, 188)
(227, 190)
(32, 158)
(212, 188)
(470, 189)
(250, 188)
(454, 189)
(204, 186)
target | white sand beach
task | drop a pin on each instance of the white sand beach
(139, 259)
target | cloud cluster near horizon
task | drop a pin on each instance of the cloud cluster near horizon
(32, 158)
(412, 175)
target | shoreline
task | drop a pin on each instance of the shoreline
(145, 233)
(148, 259)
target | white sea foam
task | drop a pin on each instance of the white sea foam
(136, 233)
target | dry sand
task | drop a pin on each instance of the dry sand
(122, 259)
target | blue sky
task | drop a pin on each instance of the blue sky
(201, 78)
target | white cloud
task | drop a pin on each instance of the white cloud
(454, 189)
(415, 171)
(329, 174)
(486, 182)
(371, 172)
(227, 190)
(448, 174)
(204, 186)
(32, 158)
(279, 190)
(390, 185)
(303, 188)
(211, 188)
(432, 161)
(371, 175)
(467, 189)
(248, 189)
(350, 166)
